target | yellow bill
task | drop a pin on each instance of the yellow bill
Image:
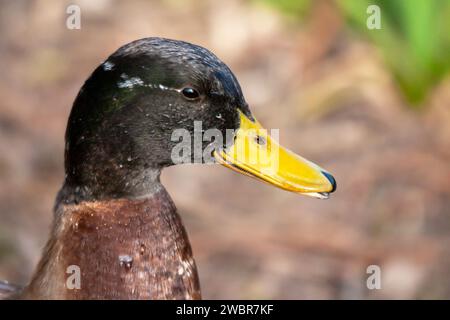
(255, 153)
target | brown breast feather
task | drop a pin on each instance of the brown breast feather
(125, 249)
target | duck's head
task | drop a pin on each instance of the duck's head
(147, 106)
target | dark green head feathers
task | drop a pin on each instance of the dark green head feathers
(119, 131)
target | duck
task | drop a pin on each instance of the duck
(116, 233)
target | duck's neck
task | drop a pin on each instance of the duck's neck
(121, 249)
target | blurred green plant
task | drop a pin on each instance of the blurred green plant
(414, 38)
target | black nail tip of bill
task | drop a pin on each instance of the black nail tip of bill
(331, 179)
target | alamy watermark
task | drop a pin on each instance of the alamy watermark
(73, 281)
(73, 21)
(374, 280)
(250, 146)
(374, 19)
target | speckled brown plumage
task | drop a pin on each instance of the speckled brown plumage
(96, 236)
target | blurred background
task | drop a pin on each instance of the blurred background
(371, 106)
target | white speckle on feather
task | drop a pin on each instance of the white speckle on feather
(186, 267)
(107, 66)
(130, 83)
(180, 270)
(125, 260)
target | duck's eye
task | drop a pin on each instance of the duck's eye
(190, 93)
